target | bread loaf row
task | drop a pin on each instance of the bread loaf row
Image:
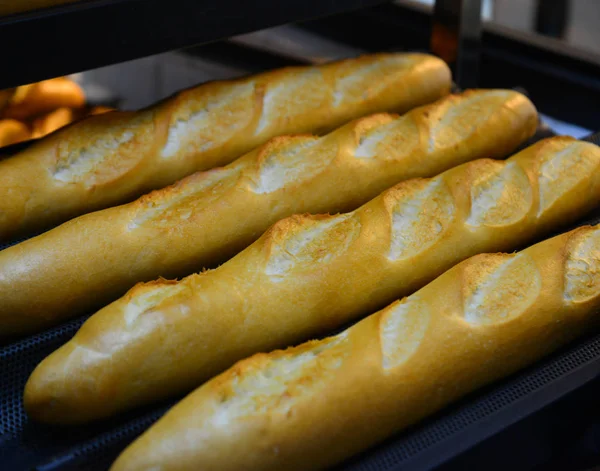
(113, 158)
(208, 217)
(35, 110)
(307, 275)
(310, 407)
(13, 131)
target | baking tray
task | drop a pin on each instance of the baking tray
(437, 440)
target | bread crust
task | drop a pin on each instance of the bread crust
(12, 131)
(312, 406)
(113, 158)
(208, 217)
(307, 275)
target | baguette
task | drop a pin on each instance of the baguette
(307, 275)
(31, 101)
(113, 158)
(310, 407)
(92, 260)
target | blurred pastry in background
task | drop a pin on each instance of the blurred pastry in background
(5, 97)
(35, 110)
(52, 121)
(12, 132)
(31, 101)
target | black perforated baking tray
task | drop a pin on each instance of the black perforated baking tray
(437, 440)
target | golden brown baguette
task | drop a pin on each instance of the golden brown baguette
(30, 101)
(115, 157)
(310, 407)
(208, 217)
(13, 131)
(307, 275)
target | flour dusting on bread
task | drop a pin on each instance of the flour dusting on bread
(164, 208)
(365, 80)
(499, 287)
(82, 162)
(289, 97)
(582, 266)
(562, 171)
(501, 197)
(105, 158)
(208, 122)
(402, 328)
(390, 141)
(454, 122)
(147, 297)
(295, 160)
(420, 216)
(309, 241)
(272, 384)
